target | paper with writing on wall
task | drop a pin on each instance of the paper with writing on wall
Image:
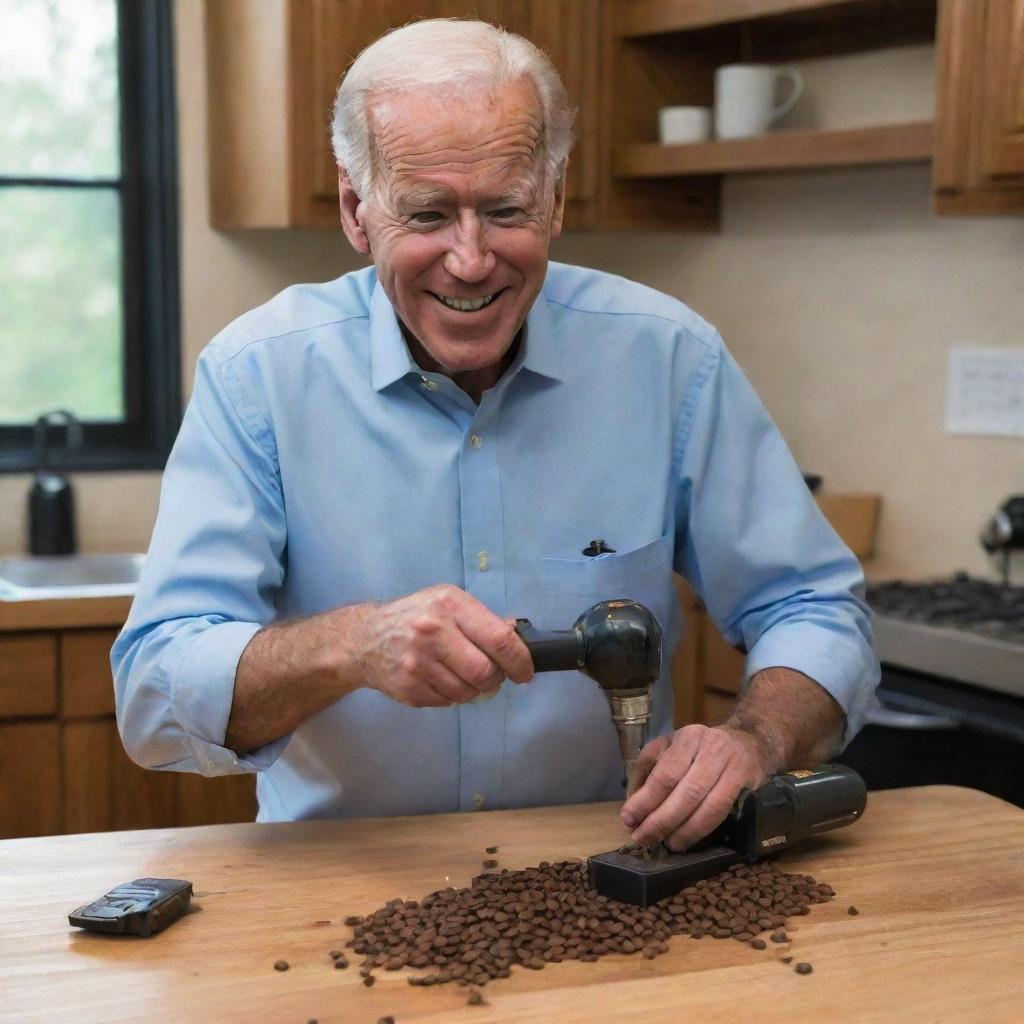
(985, 391)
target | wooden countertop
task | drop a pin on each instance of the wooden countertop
(937, 874)
(64, 613)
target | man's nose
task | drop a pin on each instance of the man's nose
(468, 257)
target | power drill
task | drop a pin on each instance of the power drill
(617, 644)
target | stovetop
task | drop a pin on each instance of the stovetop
(966, 629)
(962, 602)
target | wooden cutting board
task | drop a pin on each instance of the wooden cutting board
(937, 874)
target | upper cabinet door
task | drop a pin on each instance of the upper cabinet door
(338, 30)
(979, 152)
(1002, 128)
(329, 34)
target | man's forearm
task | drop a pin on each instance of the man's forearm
(797, 723)
(290, 671)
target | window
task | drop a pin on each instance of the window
(88, 240)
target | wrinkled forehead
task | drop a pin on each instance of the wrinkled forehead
(475, 133)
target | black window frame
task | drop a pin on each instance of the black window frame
(148, 186)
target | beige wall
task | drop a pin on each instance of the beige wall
(840, 293)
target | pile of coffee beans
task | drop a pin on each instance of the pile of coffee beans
(549, 913)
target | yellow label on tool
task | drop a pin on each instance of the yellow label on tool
(802, 773)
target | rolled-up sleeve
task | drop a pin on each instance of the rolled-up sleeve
(774, 576)
(214, 566)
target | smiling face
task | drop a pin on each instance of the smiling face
(459, 221)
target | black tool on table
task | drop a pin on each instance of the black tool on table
(790, 807)
(143, 907)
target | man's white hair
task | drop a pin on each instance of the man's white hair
(443, 52)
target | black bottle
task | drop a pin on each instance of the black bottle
(51, 502)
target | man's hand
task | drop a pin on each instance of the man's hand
(438, 647)
(784, 720)
(692, 781)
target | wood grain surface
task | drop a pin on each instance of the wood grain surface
(937, 874)
(64, 613)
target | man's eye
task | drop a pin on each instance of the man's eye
(508, 212)
(426, 217)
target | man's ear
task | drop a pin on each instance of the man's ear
(559, 210)
(352, 214)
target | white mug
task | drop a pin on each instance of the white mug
(679, 125)
(745, 98)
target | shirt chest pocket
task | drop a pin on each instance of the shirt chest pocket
(569, 586)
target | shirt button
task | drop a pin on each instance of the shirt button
(483, 562)
(475, 440)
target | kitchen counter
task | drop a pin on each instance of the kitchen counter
(937, 874)
(64, 613)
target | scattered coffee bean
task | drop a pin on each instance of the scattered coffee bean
(803, 968)
(352, 920)
(549, 914)
(386, 1020)
(369, 980)
(759, 944)
(491, 849)
(475, 998)
(281, 965)
(852, 911)
(787, 959)
(340, 963)
(490, 863)
(779, 937)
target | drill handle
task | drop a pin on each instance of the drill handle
(557, 650)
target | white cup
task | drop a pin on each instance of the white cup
(679, 125)
(745, 98)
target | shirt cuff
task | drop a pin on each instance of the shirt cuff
(849, 672)
(202, 689)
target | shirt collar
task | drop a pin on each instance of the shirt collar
(391, 360)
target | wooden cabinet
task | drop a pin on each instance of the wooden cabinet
(979, 159)
(62, 765)
(273, 67)
(29, 779)
(273, 70)
(28, 674)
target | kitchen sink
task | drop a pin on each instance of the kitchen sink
(62, 576)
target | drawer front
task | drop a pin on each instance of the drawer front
(29, 779)
(28, 674)
(87, 687)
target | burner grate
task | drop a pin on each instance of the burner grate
(962, 602)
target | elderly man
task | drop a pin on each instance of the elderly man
(375, 476)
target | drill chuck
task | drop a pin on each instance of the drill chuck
(631, 713)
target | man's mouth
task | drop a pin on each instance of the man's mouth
(467, 305)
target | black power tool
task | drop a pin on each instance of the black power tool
(789, 807)
(617, 644)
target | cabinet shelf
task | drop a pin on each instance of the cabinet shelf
(638, 18)
(898, 143)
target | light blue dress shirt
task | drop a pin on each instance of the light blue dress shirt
(318, 466)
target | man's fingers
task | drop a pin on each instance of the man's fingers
(453, 688)
(423, 695)
(671, 762)
(689, 792)
(497, 638)
(711, 812)
(643, 767)
(469, 663)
